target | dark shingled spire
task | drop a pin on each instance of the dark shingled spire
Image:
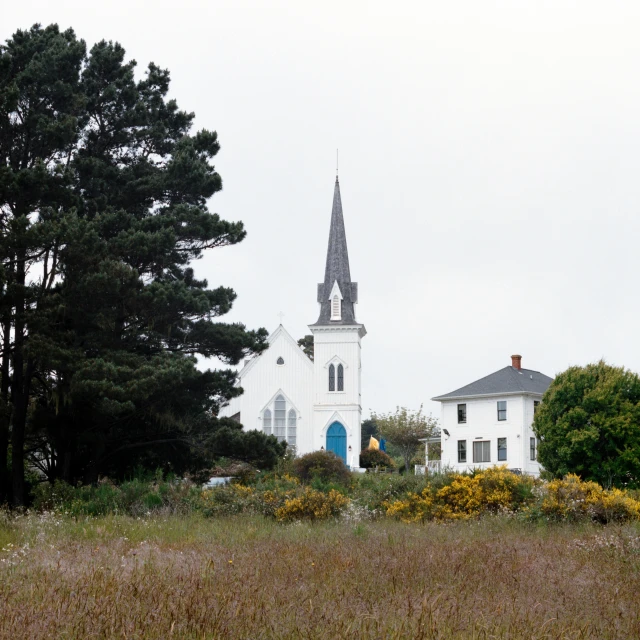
(337, 270)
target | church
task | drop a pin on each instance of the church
(312, 404)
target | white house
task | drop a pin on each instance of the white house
(488, 422)
(312, 404)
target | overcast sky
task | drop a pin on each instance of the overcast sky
(489, 169)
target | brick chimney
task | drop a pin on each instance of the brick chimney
(516, 362)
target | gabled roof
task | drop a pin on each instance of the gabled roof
(337, 269)
(280, 331)
(505, 381)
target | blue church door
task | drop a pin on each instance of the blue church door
(337, 440)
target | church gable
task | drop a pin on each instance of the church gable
(284, 370)
(283, 352)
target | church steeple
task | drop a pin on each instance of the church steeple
(337, 294)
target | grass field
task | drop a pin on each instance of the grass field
(249, 577)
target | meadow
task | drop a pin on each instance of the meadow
(250, 576)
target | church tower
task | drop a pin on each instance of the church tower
(337, 409)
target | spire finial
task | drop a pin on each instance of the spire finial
(336, 165)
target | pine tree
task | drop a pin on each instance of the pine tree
(100, 342)
(40, 102)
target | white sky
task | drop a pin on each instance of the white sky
(489, 168)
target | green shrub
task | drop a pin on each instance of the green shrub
(372, 490)
(325, 465)
(134, 497)
(374, 458)
(48, 497)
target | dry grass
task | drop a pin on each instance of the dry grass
(251, 578)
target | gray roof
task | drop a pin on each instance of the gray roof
(337, 270)
(507, 380)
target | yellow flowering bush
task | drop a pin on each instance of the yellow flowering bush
(272, 500)
(573, 499)
(415, 508)
(312, 505)
(461, 499)
(287, 477)
(616, 506)
(466, 496)
(243, 490)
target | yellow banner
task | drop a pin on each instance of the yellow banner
(373, 443)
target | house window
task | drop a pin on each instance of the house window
(340, 378)
(280, 418)
(532, 449)
(332, 378)
(462, 450)
(280, 360)
(335, 308)
(502, 449)
(266, 421)
(462, 413)
(482, 451)
(291, 428)
(502, 410)
(536, 404)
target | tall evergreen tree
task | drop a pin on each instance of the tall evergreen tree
(104, 192)
(40, 101)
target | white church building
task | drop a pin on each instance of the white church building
(312, 404)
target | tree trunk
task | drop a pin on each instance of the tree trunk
(67, 466)
(5, 409)
(19, 387)
(407, 462)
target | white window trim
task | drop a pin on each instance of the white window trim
(288, 407)
(335, 361)
(506, 446)
(488, 442)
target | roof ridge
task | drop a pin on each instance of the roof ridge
(506, 380)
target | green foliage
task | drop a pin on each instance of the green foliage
(446, 497)
(103, 203)
(405, 429)
(135, 497)
(374, 458)
(588, 423)
(323, 465)
(307, 345)
(373, 490)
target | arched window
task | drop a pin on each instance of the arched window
(332, 378)
(266, 421)
(335, 308)
(280, 360)
(280, 418)
(340, 378)
(291, 428)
